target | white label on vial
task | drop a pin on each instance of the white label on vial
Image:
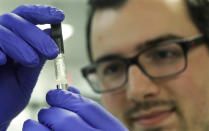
(60, 70)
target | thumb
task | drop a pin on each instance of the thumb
(74, 90)
(31, 125)
(88, 109)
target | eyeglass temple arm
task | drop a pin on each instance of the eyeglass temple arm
(196, 41)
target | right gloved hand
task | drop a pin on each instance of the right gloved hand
(24, 48)
(70, 111)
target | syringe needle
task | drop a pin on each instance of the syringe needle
(59, 62)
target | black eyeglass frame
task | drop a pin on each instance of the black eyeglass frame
(186, 45)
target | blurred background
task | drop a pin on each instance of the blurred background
(75, 54)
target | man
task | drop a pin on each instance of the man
(149, 59)
(148, 81)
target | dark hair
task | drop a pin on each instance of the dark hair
(198, 10)
(199, 13)
(94, 6)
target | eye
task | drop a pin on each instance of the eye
(164, 54)
(112, 68)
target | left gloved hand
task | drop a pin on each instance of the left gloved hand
(24, 48)
(72, 112)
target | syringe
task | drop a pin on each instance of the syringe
(59, 62)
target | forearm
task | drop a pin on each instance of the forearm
(4, 126)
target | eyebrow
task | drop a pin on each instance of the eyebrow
(140, 46)
(158, 40)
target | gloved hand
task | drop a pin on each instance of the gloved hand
(72, 112)
(24, 48)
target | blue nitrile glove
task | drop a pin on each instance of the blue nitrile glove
(73, 112)
(24, 48)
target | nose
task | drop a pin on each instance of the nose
(140, 87)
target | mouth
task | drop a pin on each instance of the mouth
(152, 118)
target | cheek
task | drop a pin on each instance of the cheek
(191, 89)
(192, 100)
(116, 103)
(190, 94)
(197, 77)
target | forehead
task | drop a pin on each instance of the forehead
(119, 31)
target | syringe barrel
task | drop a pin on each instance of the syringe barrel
(61, 72)
(59, 62)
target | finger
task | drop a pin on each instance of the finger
(59, 119)
(31, 125)
(47, 31)
(3, 58)
(16, 48)
(34, 36)
(28, 76)
(24, 73)
(38, 14)
(26, 80)
(89, 110)
(74, 90)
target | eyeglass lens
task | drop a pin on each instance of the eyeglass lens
(158, 61)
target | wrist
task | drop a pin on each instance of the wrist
(4, 126)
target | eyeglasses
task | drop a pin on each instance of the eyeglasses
(157, 61)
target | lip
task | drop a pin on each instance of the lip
(152, 118)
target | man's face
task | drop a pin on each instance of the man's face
(184, 98)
